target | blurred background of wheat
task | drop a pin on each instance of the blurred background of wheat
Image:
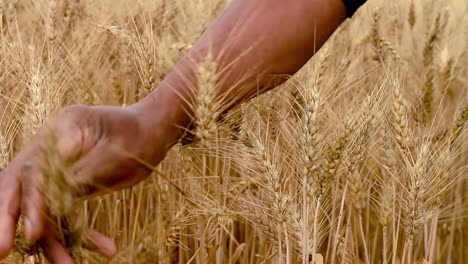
(359, 158)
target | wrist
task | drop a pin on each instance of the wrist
(164, 111)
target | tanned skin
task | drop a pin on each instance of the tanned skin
(256, 44)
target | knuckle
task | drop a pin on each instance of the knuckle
(28, 172)
(73, 110)
(71, 117)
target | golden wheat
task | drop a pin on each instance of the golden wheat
(359, 158)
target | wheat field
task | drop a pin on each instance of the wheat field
(360, 157)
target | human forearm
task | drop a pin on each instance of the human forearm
(258, 42)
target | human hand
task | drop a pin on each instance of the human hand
(102, 143)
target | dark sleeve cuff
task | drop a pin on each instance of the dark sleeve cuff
(352, 6)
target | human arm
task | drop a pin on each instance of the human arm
(256, 45)
(258, 42)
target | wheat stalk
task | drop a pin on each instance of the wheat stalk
(206, 106)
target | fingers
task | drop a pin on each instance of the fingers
(10, 200)
(33, 204)
(100, 243)
(69, 146)
(54, 250)
(9, 212)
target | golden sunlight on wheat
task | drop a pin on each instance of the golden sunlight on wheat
(360, 157)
